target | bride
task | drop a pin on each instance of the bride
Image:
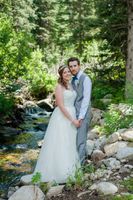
(58, 157)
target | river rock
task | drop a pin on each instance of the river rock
(112, 163)
(111, 149)
(29, 104)
(31, 107)
(113, 137)
(89, 147)
(45, 104)
(10, 193)
(97, 155)
(125, 109)
(28, 193)
(42, 126)
(54, 191)
(97, 114)
(93, 134)
(127, 135)
(100, 142)
(124, 169)
(125, 153)
(99, 173)
(105, 188)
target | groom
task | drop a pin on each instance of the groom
(82, 84)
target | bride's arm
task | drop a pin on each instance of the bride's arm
(60, 104)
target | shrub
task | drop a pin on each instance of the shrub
(128, 184)
(89, 168)
(36, 179)
(115, 120)
(102, 88)
(40, 81)
(6, 104)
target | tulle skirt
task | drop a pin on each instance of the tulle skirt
(58, 158)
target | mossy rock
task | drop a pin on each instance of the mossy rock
(23, 138)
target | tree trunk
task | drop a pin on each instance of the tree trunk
(129, 67)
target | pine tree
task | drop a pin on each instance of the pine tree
(45, 21)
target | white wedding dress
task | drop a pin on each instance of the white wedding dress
(58, 157)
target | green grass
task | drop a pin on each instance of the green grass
(89, 168)
(77, 181)
(128, 184)
(123, 197)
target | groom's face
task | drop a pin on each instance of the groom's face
(74, 67)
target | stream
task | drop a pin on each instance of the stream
(19, 152)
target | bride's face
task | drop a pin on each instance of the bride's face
(66, 75)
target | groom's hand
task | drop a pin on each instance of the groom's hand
(76, 123)
(80, 121)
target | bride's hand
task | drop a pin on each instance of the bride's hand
(76, 123)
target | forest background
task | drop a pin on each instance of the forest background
(36, 36)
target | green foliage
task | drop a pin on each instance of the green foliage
(93, 30)
(115, 120)
(14, 49)
(46, 26)
(6, 104)
(40, 81)
(128, 184)
(36, 179)
(77, 181)
(22, 13)
(113, 26)
(111, 35)
(44, 187)
(102, 88)
(123, 197)
(23, 138)
(89, 168)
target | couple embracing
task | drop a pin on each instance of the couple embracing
(64, 146)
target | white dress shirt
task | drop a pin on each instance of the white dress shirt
(87, 86)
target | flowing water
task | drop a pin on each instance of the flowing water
(18, 153)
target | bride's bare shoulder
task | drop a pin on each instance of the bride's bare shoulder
(59, 87)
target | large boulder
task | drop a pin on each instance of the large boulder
(89, 147)
(111, 149)
(97, 155)
(114, 137)
(45, 104)
(93, 134)
(125, 153)
(127, 135)
(105, 188)
(30, 192)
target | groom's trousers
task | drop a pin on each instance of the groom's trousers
(82, 136)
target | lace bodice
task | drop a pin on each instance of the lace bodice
(69, 97)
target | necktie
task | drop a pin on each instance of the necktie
(75, 78)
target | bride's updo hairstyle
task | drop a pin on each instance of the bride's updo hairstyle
(60, 79)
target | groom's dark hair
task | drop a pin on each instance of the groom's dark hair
(73, 59)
